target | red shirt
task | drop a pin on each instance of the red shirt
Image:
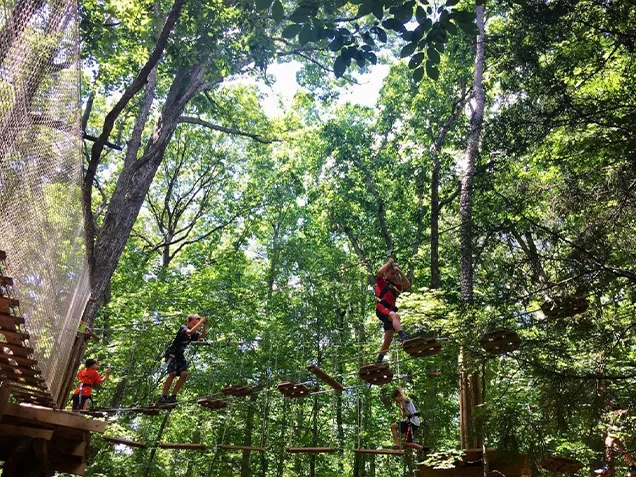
(88, 377)
(389, 296)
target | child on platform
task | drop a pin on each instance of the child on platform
(89, 377)
(408, 428)
(175, 356)
(389, 283)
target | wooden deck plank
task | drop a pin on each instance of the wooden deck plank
(55, 418)
(14, 430)
(10, 319)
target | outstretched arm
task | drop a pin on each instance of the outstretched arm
(385, 268)
(204, 320)
(193, 330)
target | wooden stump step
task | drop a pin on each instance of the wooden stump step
(561, 464)
(377, 374)
(320, 374)
(565, 307)
(500, 341)
(212, 404)
(421, 346)
(237, 391)
(293, 390)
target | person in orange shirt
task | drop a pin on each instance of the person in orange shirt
(88, 377)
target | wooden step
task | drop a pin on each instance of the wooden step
(293, 390)
(421, 346)
(242, 448)
(26, 362)
(311, 450)
(126, 442)
(237, 391)
(23, 371)
(8, 321)
(6, 281)
(500, 341)
(13, 336)
(166, 445)
(17, 349)
(8, 304)
(320, 374)
(20, 379)
(213, 404)
(377, 374)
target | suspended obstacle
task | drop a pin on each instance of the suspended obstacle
(293, 390)
(241, 448)
(472, 465)
(173, 445)
(376, 373)
(237, 391)
(320, 374)
(380, 451)
(561, 464)
(126, 442)
(500, 341)
(213, 404)
(565, 307)
(311, 450)
(421, 346)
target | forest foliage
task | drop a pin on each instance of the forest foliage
(273, 225)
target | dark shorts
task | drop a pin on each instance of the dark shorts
(77, 405)
(384, 318)
(176, 364)
(408, 430)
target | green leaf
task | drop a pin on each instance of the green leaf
(307, 34)
(262, 5)
(408, 50)
(373, 59)
(278, 13)
(378, 9)
(416, 60)
(451, 3)
(364, 9)
(433, 55)
(420, 14)
(393, 24)
(418, 74)
(301, 15)
(381, 34)
(360, 61)
(432, 71)
(291, 31)
(367, 39)
(336, 44)
(339, 67)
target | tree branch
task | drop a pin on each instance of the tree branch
(224, 129)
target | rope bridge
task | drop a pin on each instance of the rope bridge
(40, 179)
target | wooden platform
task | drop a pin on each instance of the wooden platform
(293, 390)
(500, 341)
(380, 451)
(564, 465)
(213, 404)
(237, 391)
(311, 450)
(241, 448)
(471, 465)
(60, 438)
(421, 346)
(376, 373)
(565, 307)
(172, 445)
(320, 374)
(126, 442)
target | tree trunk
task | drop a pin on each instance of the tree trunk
(435, 274)
(470, 394)
(28, 459)
(247, 441)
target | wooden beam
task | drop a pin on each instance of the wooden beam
(6, 281)
(21, 360)
(242, 448)
(320, 374)
(126, 442)
(55, 418)
(14, 430)
(381, 451)
(12, 335)
(311, 450)
(3, 255)
(7, 320)
(167, 445)
(63, 464)
(16, 346)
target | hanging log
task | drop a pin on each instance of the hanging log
(237, 391)
(241, 448)
(500, 341)
(311, 450)
(380, 451)
(126, 442)
(213, 404)
(166, 445)
(565, 307)
(320, 374)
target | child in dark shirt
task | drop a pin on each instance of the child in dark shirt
(175, 356)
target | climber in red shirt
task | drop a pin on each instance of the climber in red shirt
(390, 281)
(88, 377)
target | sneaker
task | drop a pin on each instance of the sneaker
(163, 400)
(380, 359)
(403, 337)
(172, 400)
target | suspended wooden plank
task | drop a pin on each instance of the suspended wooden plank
(377, 374)
(18, 348)
(311, 450)
(320, 374)
(8, 358)
(293, 390)
(6, 281)
(237, 391)
(380, 451)
(22, 379)
(54, 417)
(126, 442)
(565, 307)
(241, 448)
(3, 255)
(21, 370)
(148, 411)
(471, 465)
(500, 341)
(564, 465)
(421, 346)
(7, 320)
(7, 304)
(166, 445)
(213, 404)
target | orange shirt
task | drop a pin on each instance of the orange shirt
(88, 377)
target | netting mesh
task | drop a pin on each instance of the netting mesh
(40, 174)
